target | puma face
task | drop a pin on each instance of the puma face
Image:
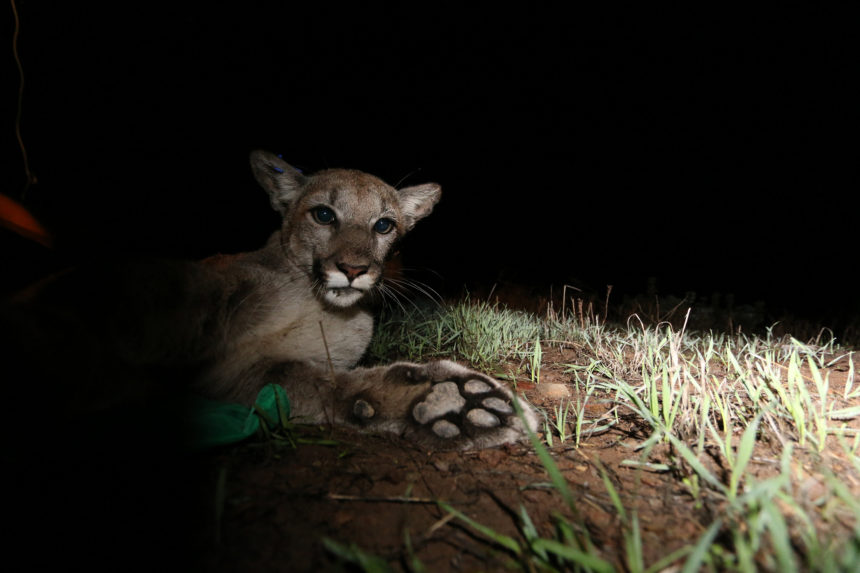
(340, 225)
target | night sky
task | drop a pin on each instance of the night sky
(715, 151)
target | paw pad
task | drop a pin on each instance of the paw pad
(498, 405)
(474, 386)
(363, 410)
(445, 429)
(482, 418)
(443, 399)
(452, 406)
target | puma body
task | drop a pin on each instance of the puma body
(294, 313)
(275, 317)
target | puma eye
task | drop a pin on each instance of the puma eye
(383, 226)
(323, 215)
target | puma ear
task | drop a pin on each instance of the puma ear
(417, 202)
(281, 180)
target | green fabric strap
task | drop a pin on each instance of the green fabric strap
(216, 423)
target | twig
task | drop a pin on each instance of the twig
(395, 499)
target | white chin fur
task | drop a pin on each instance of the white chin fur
(342, 297)
(339, 292)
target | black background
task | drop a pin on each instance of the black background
(714, 150)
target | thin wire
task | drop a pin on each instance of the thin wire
(31, 179)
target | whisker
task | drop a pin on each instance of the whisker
(389, 294)
(404, 285)
(397, 291)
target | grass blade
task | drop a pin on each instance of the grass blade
(700, 550)
(574, 555)
(503, 540)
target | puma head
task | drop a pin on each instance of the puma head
(339, 225)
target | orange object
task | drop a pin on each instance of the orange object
(16, 217)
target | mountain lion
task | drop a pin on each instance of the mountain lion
(294, 313)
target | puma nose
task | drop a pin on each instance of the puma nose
(352, 271)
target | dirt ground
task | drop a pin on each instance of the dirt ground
(117, 494)
(372, 491)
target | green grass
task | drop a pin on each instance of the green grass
(484, 335)
(717, 402)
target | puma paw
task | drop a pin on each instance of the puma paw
(460, 408)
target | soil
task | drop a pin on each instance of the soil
(117, 494)
(371, 492)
